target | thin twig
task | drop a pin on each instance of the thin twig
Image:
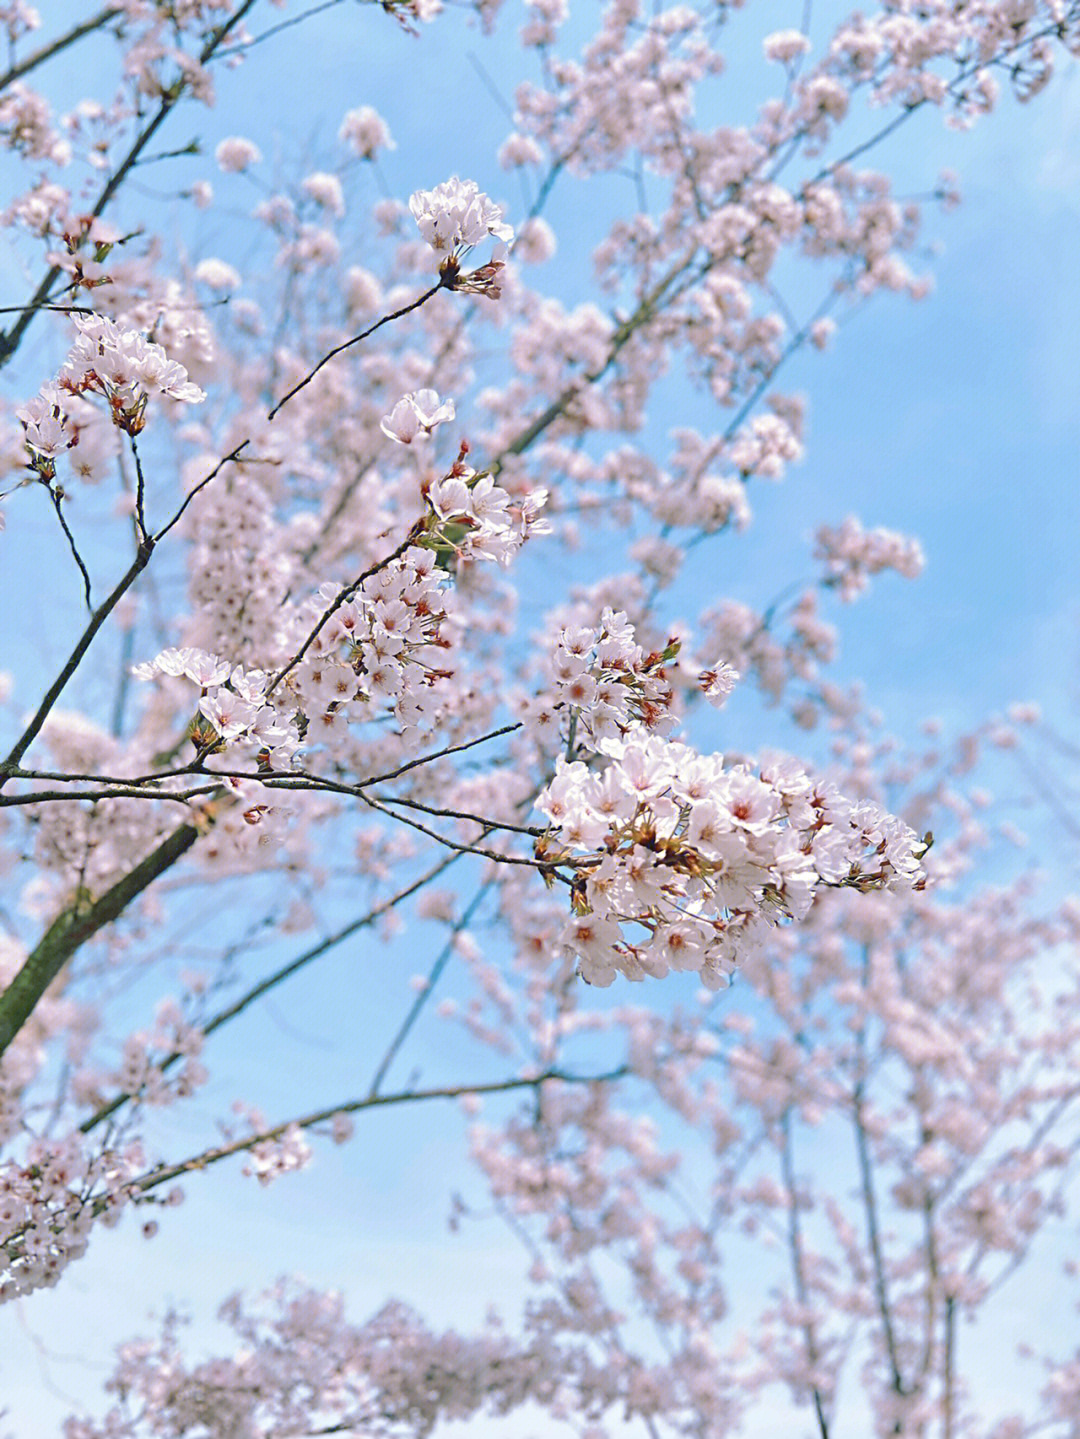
(441, 753)
(534, 831)
(227, 459)
(54, 47)
(347, 344)
(157, 1177)
(55, 496)
(279, 976)
(97, 619)
(799, 1271)
(545, 865)
(245, 45)
(10, 801)
(425, 994)
(140, 494)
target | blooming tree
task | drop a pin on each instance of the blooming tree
(297, 543)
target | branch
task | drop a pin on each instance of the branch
(801, 1291)
(533, 831)
(278, 977)
(546, 866)
(645, 311)
(425, 994)
(140, 494)
(54, 47)
(182, 796)
(55, 496)
(243, 46)
(347, 344)
(75, 926)
(440, 753)
(156, 1177)
(10, 341)
(947, 1398)
(97, 619)
(874, 1239)
(233, 454)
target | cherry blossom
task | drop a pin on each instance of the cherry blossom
(456, 216)
(236, 154)
(495, 684)
(416, 414)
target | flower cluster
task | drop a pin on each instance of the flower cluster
(143, 1073)
(685, 860)
(48, 434)
(48, 1206)
(234, 707)
(385, 646)
(471, 517)
(852, 554)
(123, 365)
(298, 1356)
(415, 414)
(365, 131)
(602, 683)
(271, 1158)
(236, 154)
(457, 215)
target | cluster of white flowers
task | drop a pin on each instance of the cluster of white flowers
(852, 554)
(233, 707)
(45, 421)
(475, 518)
(271, 1158)
(682, 861)
(48, 1206)
(457, 215)
(385, 646)
(601, 683)
(298, 1356)
(123, 365)
(417, 413)
(120, 364)
(469, 514)
(141, 1072)
(365, 131)
(236, 153)
(784, 46)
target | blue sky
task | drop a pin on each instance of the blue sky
(956, 419)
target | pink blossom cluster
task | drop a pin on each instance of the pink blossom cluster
(852, 554)
(472, 517)
(270, 1158)
(45, 423)
(49, 1203)
(233, 704)
(386, 647)
(125, 367)
(456, 216)
(120, 364)
(602, 683)
(365, 131)
(683, 863)
(301, 1364)
(158, 1065)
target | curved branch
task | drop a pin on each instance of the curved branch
(157, 1177)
